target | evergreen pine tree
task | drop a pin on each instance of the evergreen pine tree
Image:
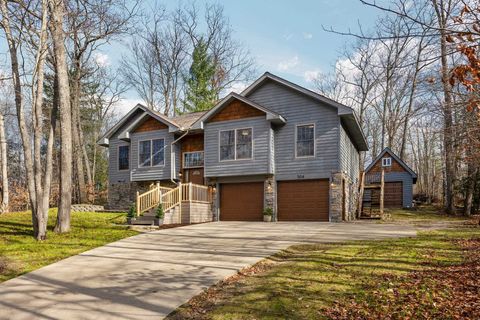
(200, 94)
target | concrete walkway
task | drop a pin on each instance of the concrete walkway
(149, 275)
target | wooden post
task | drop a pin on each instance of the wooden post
(360, 194)
(159, 195)
(190, 188)
(137, 213)
(180, 196)
(382, 191)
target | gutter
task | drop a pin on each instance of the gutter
(172, 156)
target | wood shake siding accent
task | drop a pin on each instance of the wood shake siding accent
(192, 142)
(260, 148)
(151, 124)
(395, 167)
(297, 109)
(236, 110)
(349, 156)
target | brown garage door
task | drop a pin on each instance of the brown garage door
(241, 201)
(303, 200)
(393, 195)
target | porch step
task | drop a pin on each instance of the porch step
(143, 221)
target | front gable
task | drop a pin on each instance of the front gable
(395, 167)
(398, 165)
(236, 110)
(150, 124)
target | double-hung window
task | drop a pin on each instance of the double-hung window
(236, 144)
(151, 153)
(123, 157)
(305, 141)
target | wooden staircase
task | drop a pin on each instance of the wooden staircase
(171, 199)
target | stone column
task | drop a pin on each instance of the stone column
(336, 197)
(270, 195)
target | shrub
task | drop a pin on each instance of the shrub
(132, 211)
(268, 211)
(159, 213)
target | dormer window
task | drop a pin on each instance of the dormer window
(386, 162)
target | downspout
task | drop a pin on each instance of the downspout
(172, 156)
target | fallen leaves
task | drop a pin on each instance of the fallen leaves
(439, 292)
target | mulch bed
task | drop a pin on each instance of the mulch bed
(438, 292)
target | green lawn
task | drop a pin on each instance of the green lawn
(421, 214)
(303, 281)
(21, 253)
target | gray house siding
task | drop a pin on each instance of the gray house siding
(259, 164)
(115, 175)
(349, 156)
(404, 177)
(299, 109)
(151, 173)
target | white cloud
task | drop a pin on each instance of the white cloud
(288, 64)
(125, 105)
(238, 87)
(288, 36)
(307, 35)
(311, 75)
(101, 59)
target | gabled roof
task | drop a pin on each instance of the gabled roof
(173, 126)
(394, 156)
(270, 115)
(186, 120)
(347, 114)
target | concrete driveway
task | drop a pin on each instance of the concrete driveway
(147, 276)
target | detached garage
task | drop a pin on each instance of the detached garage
(241, 201)
(399, 180)
(303, 200)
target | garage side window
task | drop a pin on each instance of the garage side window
(123, 157)
(305, 141)
(227, 145)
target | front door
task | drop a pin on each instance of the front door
(194, 176)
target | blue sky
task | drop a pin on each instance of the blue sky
(286, 37)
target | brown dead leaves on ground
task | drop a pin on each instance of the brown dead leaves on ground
(439, 292)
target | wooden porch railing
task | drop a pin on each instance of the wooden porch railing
(150, 199)
(172, 197)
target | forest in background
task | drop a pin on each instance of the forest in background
(413, 80)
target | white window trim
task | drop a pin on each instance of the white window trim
(234, 145)
(314, 140)
(189, 152)
(387, 162)
(129, 157)
(151, 154)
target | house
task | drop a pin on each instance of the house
(399, 179)
(274, 145)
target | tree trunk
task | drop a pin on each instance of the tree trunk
(472, 177)
(3, 160)
(448, 138)
(77, 151)
(64, 105)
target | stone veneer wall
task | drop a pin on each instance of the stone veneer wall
(122, 195)
(337, 199)
(270, 194)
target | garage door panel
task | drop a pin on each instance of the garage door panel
(241, 201)
(393, 197)
(303, 200)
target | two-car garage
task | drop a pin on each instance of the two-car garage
(299, 200)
